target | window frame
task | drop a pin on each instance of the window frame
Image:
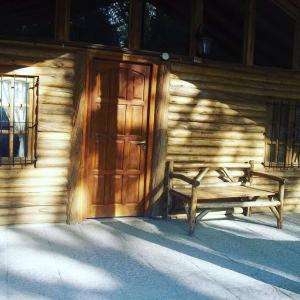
(29, 130)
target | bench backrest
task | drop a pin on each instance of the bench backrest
(214, 173)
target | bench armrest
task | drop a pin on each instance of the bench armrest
(269, 176)
(191, 181)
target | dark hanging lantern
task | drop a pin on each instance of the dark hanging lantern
(204, 46)
(204, 43)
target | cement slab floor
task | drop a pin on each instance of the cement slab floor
(132, 258)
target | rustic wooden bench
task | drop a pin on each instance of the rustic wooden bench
(198, 199)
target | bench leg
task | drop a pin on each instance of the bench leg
(279, 220)
(192, 212)
(275, 211)
(280, 208)
(247, 211)
(168, 203)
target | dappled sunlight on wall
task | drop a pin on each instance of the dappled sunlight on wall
(217, 115)
(204, 127)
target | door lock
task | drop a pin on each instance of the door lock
(142, 143)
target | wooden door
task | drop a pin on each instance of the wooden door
(119, 94)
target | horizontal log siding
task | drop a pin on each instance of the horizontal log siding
(75, 212)
(34, 195)
(218, 115)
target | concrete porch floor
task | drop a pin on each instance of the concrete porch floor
(131, 258)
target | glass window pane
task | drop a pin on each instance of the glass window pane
(100, 21)
(273, 153)
(4, 119)
(20, 145)
(267, 153)
(20, 95)
(281, 153)
(5, 92)
(296, 155)
(4, 145)
(297, 125)
(30, 18)
(224, 23)
(274, 36)
(284, 115)
(274, 135)
(297, 135)
(166, 26)
(20, 119)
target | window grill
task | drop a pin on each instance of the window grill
(18, 119)
(283, 135)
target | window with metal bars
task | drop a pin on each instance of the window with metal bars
(283, 135)
(18, 119)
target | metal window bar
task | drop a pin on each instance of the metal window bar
(12, 115)
(20, 131)
(1, 118)
(35, 111)
(26, 124)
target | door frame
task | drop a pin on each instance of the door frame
(134, 59)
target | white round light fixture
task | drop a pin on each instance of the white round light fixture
(165, 56)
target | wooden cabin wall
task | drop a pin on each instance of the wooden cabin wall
(75, 207)
(218, 115)
(31, 194)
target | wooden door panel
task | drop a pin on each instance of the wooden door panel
(136, 121)
(117, 126)
(132, 186)
(115, 157)
(98, 194)
(103, 86)
(114, 184)
(117, 119)
(99, 160)
(122, 80)
(137, 85)
(100, 117)
(134, 160)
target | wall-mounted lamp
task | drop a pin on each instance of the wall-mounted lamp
(204, 43)
(204, 46)
(165, 56)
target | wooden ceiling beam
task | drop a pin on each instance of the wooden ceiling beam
(136, 12)
(62, 20)
(249, 33)
(288, 8)
(197, 20)
(296, 50)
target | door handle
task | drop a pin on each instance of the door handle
(140, 142)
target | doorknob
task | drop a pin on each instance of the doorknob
(142, 143)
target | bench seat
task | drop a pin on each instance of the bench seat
(224, 192)
(199, 199)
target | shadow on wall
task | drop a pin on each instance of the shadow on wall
(207, 126)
